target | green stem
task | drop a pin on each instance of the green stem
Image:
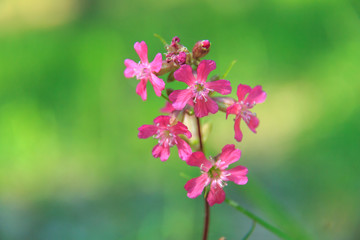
(166, 98)
(262, 222)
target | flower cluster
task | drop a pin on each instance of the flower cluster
(195, 101)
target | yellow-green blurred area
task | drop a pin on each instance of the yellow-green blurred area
(72, 166)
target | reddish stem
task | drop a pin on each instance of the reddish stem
(201, 147)
(206, 220)
(207, 207)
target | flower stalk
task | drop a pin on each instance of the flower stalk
(207, 207)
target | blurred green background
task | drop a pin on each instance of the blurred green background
(72, 167)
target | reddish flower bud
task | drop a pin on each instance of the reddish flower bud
(181, 58)
(176, 54)
(201, 49)
(175, 41)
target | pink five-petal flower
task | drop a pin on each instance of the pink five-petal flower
(144, 71)
(247, 98)
(198, 90)
(167, 133)
(215, 173)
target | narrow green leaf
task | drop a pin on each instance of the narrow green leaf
(160, 38)
(262, 222)
(229, 69)
(250, 231)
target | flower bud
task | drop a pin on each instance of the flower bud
(190, 122)
(166, 67)
(175, 41)
(170, 77)
(214, 78)
(201, 49)
(181, 58)
(176, 53)
(205, 130)
(224, 102)
(169, 91)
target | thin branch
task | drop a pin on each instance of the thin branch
(166, 97)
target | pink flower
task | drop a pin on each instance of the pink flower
(166, 131)
(198, 90)
(214, 173)
(144, 71)
(242, 106)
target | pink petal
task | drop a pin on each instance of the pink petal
(168, 108)
(158, 84)
(185, 74)
(202, 107)
(242, 90)
(131, 66)
(161, 151)
(141, 89)
(238, 133)
(228, 156)
(233, 109)
(216, 194)
(198, 159)
(183, 148)
(204, 68)
(156, 64)
(253, 123)
(162, 121)
(256, 95)
(142, 51)
(237, 175)
(195, 186)
(180, 128)
(146, 131)
(221, 86)
(180, 98)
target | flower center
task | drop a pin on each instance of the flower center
(200, 91)
(244, 110)
(166, 137)
(144, 71)
(199, 87)
(214, 172)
